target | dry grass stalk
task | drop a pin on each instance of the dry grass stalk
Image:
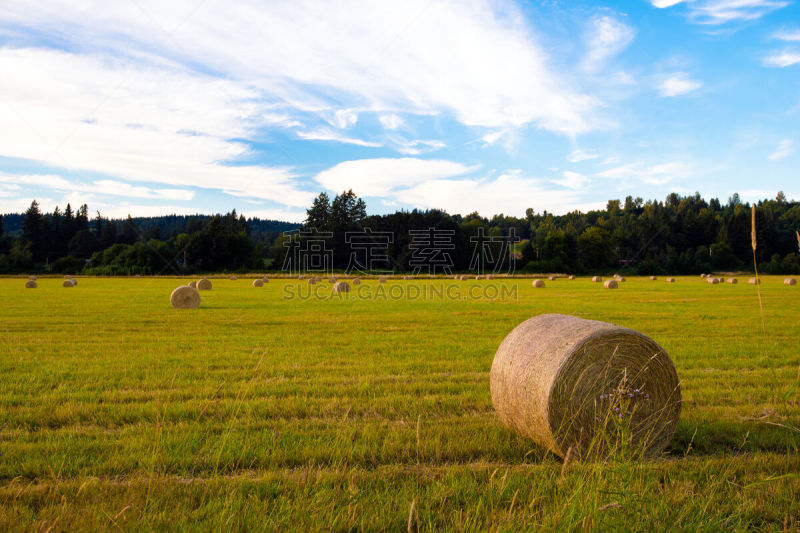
(755, 267)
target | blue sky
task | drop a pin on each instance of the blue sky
(149, 107)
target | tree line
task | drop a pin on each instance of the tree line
(680, 235)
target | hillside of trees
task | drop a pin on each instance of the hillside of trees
(681, 235)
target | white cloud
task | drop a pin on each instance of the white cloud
(415, 146)
(784, 149)
(103, 187)
(714, 12)
(605, 38)
(391, 121)
(787, 35)
(344, 118)
(659, 174)
(573, 180)
(478, 61)
(379, 177)
(783, 59)
(578, 155)
(665, 3)
(326, 134)
(678, 84)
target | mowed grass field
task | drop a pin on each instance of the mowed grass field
(260, 411)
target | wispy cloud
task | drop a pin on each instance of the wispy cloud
(787, 58)
(715, 12)
(606, 37)
(52, 182)
(391, 121)
(784, 150)
(678, 84)
(326, 134)
(573, 180)
(785, 34)
(578, 155)
(659, 174)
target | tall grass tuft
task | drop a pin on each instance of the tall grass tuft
(755, 266)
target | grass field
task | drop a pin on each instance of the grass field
(258, 412)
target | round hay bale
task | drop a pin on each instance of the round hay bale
(31, 284)
(571, 277)
(32, 278)
(356, 281)
(312, 281)
(790, 281)
(597, 279)
(234, 278)
(610, 284)
(258, 283)
(721, 280)
(203, 285)
(566, 382)
(193, 284)
(407, 278)
(341, 286)
(456, 277)
(712, 280)
(753, 281)
(185, 297)
(551, 278)
(301, 278)
(332, 279)
(538, 283)
(478, 278)
(732, 281)
(489, 277)
(619, 278)
(670, 280)
(265, 279)
(74, 281)
(382, 279)
(653, 278)
(67, 283)
(703, 275)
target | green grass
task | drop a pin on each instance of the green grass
(257, 412)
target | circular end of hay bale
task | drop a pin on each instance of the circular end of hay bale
(538, 283)
(597, 279)
(341, 287)
(610, 284)
(670, 280)
(356, 281)
(790, 281)
(67, 283)
(193, 284)
(203, 285)
(258, 283)
(382, 279)
(31, 284)
(185, 297)
(653, 278)
(753, 281)
(564, 382)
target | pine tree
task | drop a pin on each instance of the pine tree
(318, 216)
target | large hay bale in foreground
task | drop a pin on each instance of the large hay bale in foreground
(597, 279)
(31, 284)
(204, 285)
(341, 286)
(538, 283)
(790, 281)
(610, 284)
(185, 297)
(754, 281)
(566, 382)
(258, 283)
(732, 281)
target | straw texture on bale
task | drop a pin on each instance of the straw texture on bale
(67, 283)
(31, 284)
(203, 285)
(753, 281)
(258, 283)
(732, 281)
(193, 284)
(341, 286)
(610, 284)
(185, 297)
(356, 281)
(670, 280)
(597, 279)
(557, 380)
(790, 281)
(538, 283)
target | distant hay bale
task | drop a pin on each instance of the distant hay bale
(265, 279)
(356, 281)
(489, 277)
(67, 283)
(478, 278)
(670, 280)
(312, 281)
(712, 280)
(571, 276)
(597, 279)
(332, 279)
(563, 381)
(790, 281)
(301, 277)
(234, 278)
(341, 286)
(653, 278)
(753, 281)
(31, 284)
(551, 278)
(619, 278)
(732, 281)
(203, 285)
(538, 283)
(258, 283)
(610, 284)
(703, 275)
(382, 279)
(193, 284)
(185, 297)
(73, 281)
(721, 280)
(463, 278)
(456, 277)
(32, 278)
(407, 278)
